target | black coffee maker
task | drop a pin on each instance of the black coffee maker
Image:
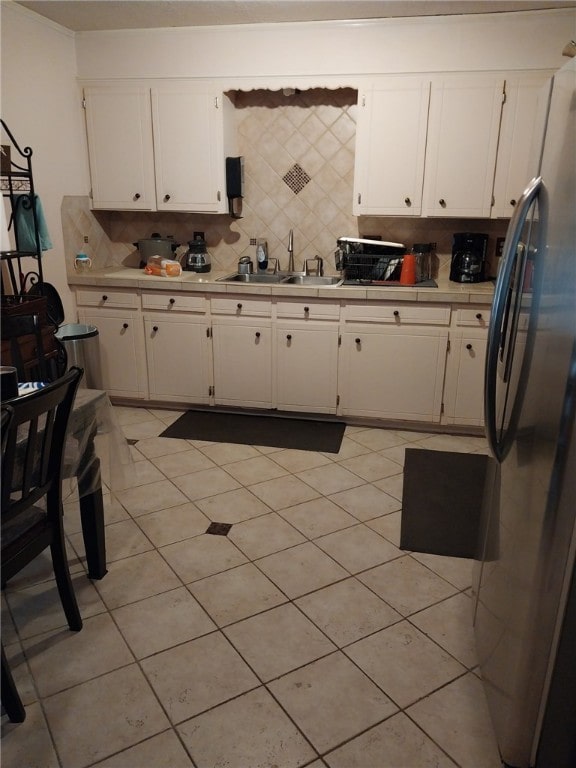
(197, 258)
(469, 257)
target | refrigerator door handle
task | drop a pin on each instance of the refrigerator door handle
(500, 306)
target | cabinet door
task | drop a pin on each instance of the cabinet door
(188, 149)
(119, 129)
(462, 142)
(242, 363)
(393, 373)
(121, 351)
(390, 148)
(521, 133)
(464, 393)
(306, 368)
(177, 354)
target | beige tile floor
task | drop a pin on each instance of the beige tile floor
(305, 637)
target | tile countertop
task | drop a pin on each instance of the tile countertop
(447, 291)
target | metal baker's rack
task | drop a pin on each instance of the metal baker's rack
(17, 184)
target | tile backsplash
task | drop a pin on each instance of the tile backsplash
(298, 151)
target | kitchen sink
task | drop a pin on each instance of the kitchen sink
(280, 278)
(312, 280)
(250, 278)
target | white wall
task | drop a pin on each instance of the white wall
(40, 103)
(500, 41)
(40, 62)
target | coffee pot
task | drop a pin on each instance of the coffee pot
(468, 263)
(197, 258)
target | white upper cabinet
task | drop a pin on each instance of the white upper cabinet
(521, 133)
(119, 128)
(463, 130)
(427, 145)
(390, 147)
(189, 148)
(158, 148)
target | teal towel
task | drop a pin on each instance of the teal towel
(24, 224)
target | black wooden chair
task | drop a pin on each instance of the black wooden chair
(36, 353)
(14, 707)
(33, 443)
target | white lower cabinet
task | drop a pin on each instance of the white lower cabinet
(464, 384)
(395, 361)
(116, 315)
(392, 360)
(177, 354)
(242, 352)
(178, 350)
(122, 354)
(464, 392)
(306, 367)
(392, 373)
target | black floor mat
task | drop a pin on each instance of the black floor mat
(274, 430)
(441, 502)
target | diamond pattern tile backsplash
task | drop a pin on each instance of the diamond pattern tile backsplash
(298, 154)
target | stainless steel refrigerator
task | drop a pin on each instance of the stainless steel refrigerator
(524, 583)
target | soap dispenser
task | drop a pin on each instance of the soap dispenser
(262, 255)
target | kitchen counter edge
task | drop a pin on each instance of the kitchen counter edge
(471, 293)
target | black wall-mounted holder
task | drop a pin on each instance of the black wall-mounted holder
(235, 185)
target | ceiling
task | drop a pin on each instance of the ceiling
(92, 15)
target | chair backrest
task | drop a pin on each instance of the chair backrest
(32, 348)
(33, 453)
(6, 414)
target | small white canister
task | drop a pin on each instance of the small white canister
(82, 263)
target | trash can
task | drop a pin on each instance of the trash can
(82, 348)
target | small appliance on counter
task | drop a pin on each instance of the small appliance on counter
(156, 245)
(197, 258)
(468, 263)
(245, 265)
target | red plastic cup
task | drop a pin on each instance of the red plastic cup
(408, 273)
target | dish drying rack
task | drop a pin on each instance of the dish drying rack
(372, 269)
(369, 261)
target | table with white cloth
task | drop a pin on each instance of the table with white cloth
(95, 445)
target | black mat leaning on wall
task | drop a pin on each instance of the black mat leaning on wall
(442, 502)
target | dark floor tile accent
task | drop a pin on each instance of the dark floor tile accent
(131, 441)
(219, 529)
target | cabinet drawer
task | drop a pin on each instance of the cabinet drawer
(174, 301)
(241, 306)
(308, 310)
(396, 313)
(475, 318)
(102, 297)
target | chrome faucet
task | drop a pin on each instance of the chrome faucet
(290, 251)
